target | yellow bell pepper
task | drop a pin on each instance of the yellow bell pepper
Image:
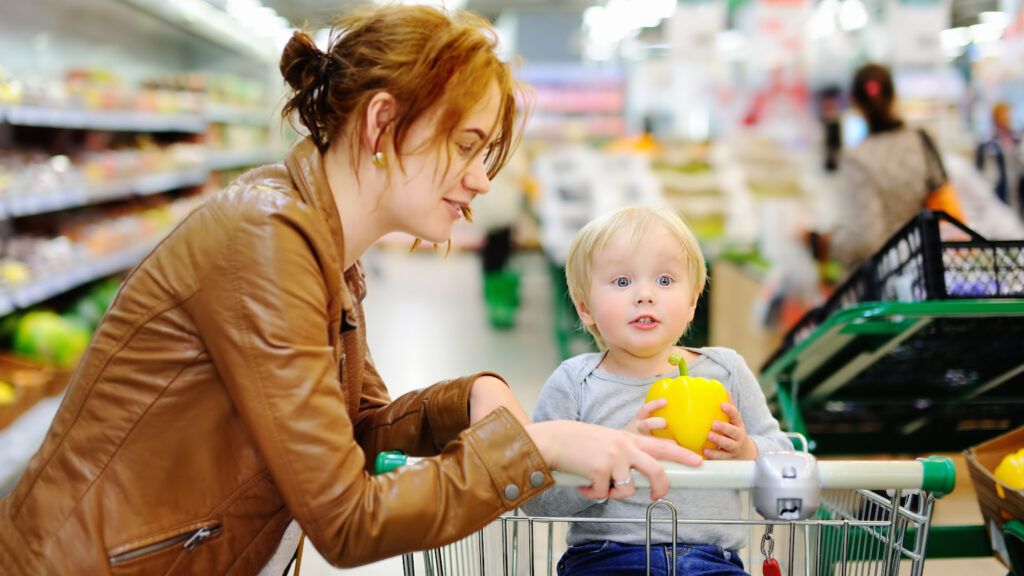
(1011, 470)
(693, 405)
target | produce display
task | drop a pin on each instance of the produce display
(1011, 470)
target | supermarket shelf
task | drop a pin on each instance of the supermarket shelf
(71, 198)
(229, 115)
(76, 275)
(125, 121)
(227, 160)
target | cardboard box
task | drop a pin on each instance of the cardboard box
(999, 503)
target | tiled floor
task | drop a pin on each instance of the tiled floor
(426, 322)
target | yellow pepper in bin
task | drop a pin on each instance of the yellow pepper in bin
(1011, 470)
(693, 405)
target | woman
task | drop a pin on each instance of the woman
(885, 179)
(229, 391)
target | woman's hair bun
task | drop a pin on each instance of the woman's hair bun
(301, 61)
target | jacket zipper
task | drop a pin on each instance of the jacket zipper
(188, 540)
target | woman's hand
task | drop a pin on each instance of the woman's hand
(643, 423)
(732, 439)
(490, 393)
(604, 455)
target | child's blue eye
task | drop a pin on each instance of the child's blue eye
(664, 281)
(621, 282)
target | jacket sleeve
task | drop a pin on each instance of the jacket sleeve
(761, 426)
(262, 313)
(419, 423)
(558, 401)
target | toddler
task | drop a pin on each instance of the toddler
(634, 277)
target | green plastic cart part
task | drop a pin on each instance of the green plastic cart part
(842, 320)
(388, 461)
(954, 541)
(939, 475)
(1013, 535)
(851, 343)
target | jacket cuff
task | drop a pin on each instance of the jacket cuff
(448, 407)
(516, 468)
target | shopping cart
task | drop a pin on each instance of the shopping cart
(823, 518)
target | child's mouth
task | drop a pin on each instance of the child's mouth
(645, 322)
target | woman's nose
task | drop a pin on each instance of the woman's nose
(476, 177)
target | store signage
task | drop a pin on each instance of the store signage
(693, 29)
(912, 31)
(779, 27)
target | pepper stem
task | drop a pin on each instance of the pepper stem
(676, 360)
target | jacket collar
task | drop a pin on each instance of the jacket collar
(306, 168)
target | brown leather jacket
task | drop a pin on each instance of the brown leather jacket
(229, 390)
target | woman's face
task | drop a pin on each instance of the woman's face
(423, 200)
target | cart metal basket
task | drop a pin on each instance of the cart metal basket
(873, 519)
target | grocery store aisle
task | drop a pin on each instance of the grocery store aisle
(426, 322)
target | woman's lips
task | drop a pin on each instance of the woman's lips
(454, 208)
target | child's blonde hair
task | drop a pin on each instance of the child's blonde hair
(635, 221)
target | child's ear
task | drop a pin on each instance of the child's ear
(691, 310)
(583, 313)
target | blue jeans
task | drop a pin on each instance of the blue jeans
(610, 558)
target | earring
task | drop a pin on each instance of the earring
(379, 160)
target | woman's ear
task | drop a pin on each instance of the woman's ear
(380, 113)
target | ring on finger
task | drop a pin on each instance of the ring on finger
(624, 482)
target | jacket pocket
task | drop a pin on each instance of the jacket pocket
(158, 556)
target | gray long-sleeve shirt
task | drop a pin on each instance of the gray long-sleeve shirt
(579, 390)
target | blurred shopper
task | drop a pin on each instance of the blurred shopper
(887, 178)
(830, 110)
(229, 390)
(497, 213)
(999, 159)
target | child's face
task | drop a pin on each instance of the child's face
(641, 294)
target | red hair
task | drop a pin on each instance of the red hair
(422, 56)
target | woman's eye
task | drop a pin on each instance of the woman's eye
(465, 149)
(621, 282)
(664, 281)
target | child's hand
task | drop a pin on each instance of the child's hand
(643, 424)
(732, 440)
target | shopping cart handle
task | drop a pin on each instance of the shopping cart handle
(934, 474)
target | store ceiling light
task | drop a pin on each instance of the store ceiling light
(853, 15)
(822, 23)
(954, 40)
(607, 26)
(986, 33)
(1001, 19)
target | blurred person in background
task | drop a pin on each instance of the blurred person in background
(228, 399)
(497, 213)
(885, 180)
(999, 159)
(830, 109)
